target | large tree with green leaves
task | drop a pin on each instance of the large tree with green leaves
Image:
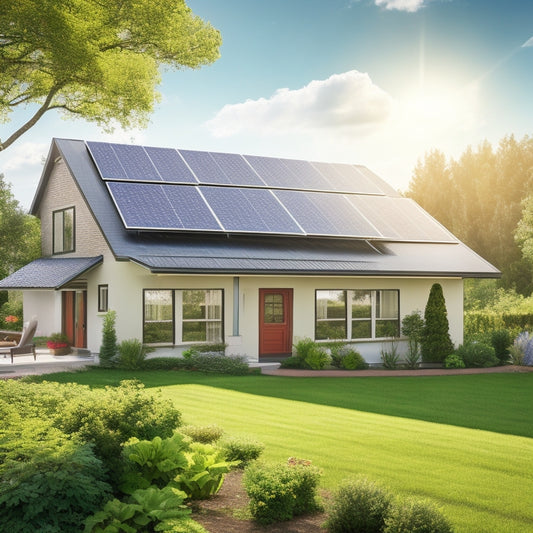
(97, 60)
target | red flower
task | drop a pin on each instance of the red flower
(11, 318)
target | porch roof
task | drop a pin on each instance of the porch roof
(49, 272)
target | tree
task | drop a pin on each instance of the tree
(20, 236)
(95, 60)
(436, 342)
(109, 349)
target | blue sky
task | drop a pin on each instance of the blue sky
(372, 82)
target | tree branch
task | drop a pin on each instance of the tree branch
(33, 120)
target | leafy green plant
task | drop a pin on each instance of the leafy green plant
(150, 509)
(436, 342)
(302, 347)
(221, 364)
(454, 361)
(477, 355)
(294, 361)
(358, 505)
(242, 449)
(47, 481)
(131, 354)
(155, 462)
(204, 434)
(390, 358)
(501, 340)
(317, 358)
(279, 492)
(204, 473)
(413, 329)
(413, 515)
(108, 350)
(346, 357)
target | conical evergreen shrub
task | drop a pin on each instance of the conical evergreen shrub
(108, 350)
(436, 342)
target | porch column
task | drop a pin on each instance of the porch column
(236, 306)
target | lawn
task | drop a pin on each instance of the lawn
(465, 442)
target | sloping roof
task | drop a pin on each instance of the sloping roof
(49, 272)
(265, 252)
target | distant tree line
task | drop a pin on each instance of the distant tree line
(485, 198)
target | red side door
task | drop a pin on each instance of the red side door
(275, 322)
(74, 310)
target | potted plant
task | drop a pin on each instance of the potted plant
(58, 344)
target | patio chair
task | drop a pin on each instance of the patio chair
(24, 347)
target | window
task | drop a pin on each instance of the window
(63, 231)
(356, 314)
(102, 299)
(183, 316)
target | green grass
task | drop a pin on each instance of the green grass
(466, 442)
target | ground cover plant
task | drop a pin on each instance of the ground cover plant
(452, 440)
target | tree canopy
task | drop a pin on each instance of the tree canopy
(478, 197)
(98, 60)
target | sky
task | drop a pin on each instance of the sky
(371, 82)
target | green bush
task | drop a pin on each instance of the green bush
(131, 354)
(436, 343)
(413, 329)
(279, 492)
(166, 363)
(390, 358)
(358, 505)
(150, 509)
(346, 357)
(317, 358)
(235, 365)
(108, 350)
(477, 355)
(501, 340)
(294, 361)
(48, 482)
(13, 310)
(204, 434)
(454, 361)
(111, 417)
(412, 515)
(242, 449)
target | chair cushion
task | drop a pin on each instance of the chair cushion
(7, 343)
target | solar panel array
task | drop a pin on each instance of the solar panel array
(163, 189)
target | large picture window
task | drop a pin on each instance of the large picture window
(63, 231)
(183, 316)
(356, 314)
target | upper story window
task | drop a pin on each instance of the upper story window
(63, 231)
(357, 314)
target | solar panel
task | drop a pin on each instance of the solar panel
(326, 214)
(377, 181)
(236, 171)
(106, 160)
(249, 210)
(143, 206)
(273, 172)
(347, 178)
(170, 165)
(203, 166)
(136, 162)
(191, 208)
(400, 219)
(308, 175)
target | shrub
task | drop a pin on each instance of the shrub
(294, 361)
(501, 340)
(344, 356)
(454, 361)
(108, 350)
(413, 329)
(131, 354)
(359, 505)
(317, 358)
(303, 346)
(203, 434)
(436, 342)
(390, 356)
(242, 449)
(222, 364)
(166, 363)
(279, 492)
(47, 482)
(522, 349)
(413, 515)
(477, 355)
(111, 417)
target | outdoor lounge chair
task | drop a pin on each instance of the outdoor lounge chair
(24, 347)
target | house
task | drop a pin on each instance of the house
(198, 247)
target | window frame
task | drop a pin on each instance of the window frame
(177, 317)
(56, 250)
(349, 319)
(103, 298)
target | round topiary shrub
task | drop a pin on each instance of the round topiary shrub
(412, 515)
(353, 360)
(359, 505)
(477, 355)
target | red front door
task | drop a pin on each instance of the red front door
(74, 317)
(275, 322)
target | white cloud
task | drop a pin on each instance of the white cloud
(401, 5)
(24, 155)
(348, 101)
(529, 42)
